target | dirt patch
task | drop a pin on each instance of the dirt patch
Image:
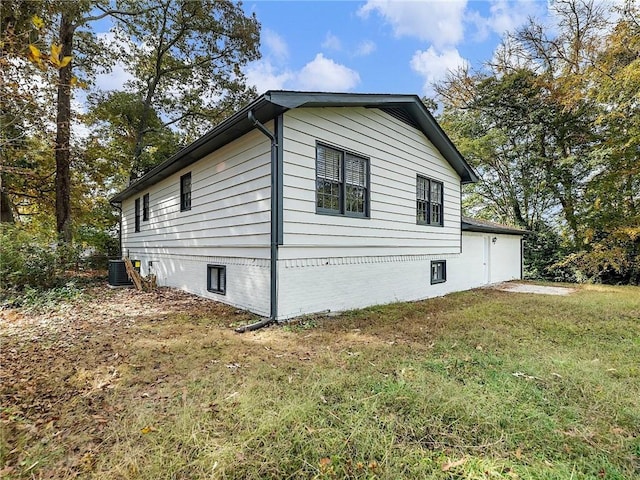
(529, 288)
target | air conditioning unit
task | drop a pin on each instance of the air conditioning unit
(118, 273)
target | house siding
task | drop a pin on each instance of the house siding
(397, 153)
(228, 224)
(331, 262)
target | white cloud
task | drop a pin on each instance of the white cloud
(115, 79)
(276, 45)
(508, 16)
(331, 42)
(263, 75)
(364, 48)
(323, 74)
(436, 21)
(434, 66)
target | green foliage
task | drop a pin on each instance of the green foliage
(30, 261)
(614, 259)
(543, 250)
(186, 58)
(116, 118)
(39, 300)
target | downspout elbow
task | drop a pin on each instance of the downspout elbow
(261, 127)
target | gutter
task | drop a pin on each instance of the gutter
(276, 217)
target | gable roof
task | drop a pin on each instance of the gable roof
(408, 108)
(476, 225)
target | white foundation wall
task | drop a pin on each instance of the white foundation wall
(247, 279)
(314, 285)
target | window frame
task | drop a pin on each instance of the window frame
(434, 279)
(185, 196)
(222, 273)
(136, 207)
(342, 183)
(145, 207)
(427, 202)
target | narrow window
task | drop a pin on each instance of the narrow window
(329, 179)
(137, 213)
(438, 271)
(217, 279)
(435, 199)
(145, 207)
(185, 192)
(429, 198)
(342, 182)
(422, 201)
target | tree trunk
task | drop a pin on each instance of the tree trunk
(63, 137)
(6, 210)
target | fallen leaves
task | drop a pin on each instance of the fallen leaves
(60, 369)
(449, 465)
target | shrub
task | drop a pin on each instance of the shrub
(614, 259)
(27, 260)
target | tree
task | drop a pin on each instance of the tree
(115, 120)
(186, 58)
(496, 122)
(75, 38)
(22, 87)
(552, 126)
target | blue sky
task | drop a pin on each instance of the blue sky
(381, 46)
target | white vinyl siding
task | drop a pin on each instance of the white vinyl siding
(397, 153)
(228, 223)
(230, 202)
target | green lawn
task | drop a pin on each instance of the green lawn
(474, 385)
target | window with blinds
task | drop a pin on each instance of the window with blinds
(429, 198)
(342, 182)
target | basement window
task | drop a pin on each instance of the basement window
(438, 271)
(217, 279)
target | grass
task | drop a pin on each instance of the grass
(474, 385)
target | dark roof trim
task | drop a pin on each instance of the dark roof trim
(475, 225)
(273, 103)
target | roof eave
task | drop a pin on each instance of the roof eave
(231, 128)
(268, 106)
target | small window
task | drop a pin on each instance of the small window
(217, 279)
(137, 208)
(185, 192)
(429, 198)
(438, 271)
(342, 182)
(145, 207)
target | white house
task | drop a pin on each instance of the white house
(308, 202)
